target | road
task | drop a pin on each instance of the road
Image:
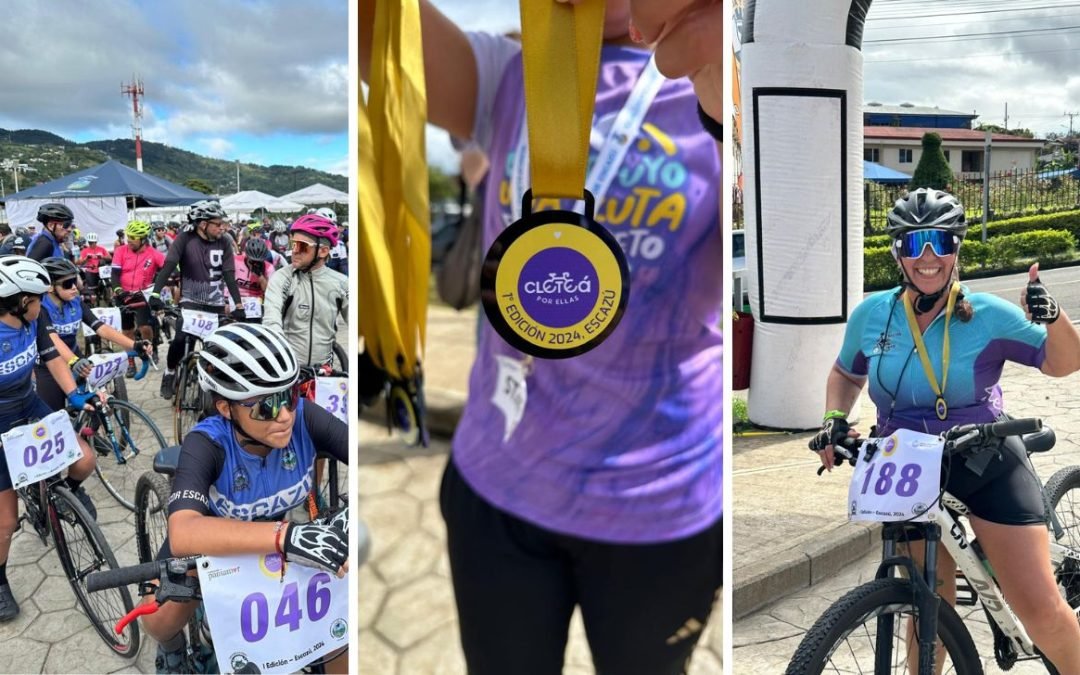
(1063, 283)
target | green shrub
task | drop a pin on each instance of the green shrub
(974, 255)
(879, 268)
(1039, 244)
(1064, 220)
(933, 170)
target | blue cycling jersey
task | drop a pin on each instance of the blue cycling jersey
(879, 345)
(56, 252)
(65, 319)
(249, 487)
(20, 349)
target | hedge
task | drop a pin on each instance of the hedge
(1064, 220)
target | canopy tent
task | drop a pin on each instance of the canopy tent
(253, 200)
(883, 174)
(1058, 173)
(99, 197)
(317, 195)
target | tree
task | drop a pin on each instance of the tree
(995, 129)
(198, 185)
(933, 170)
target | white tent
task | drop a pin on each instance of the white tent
(318, 194)
(253, 200)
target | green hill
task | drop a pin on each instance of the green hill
(48, 156)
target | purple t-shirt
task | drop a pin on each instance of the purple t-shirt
(621, 444)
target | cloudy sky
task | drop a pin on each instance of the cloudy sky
(964, 55)
(262, 81)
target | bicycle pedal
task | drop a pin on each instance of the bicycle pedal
(86, 432)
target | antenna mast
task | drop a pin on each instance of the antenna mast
(135, 90)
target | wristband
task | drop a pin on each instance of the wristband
(712, 127)
(833, 414)
(72, 361)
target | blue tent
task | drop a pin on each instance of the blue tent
(112, 179)
(1058, 173)
(883, 174)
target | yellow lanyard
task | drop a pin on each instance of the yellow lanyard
(395, 239)
(940, 407)
(561, 58)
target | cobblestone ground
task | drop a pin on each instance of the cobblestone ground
(408, 622)
(52, 634)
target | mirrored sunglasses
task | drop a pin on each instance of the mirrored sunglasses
(267, 408)
(941, 242)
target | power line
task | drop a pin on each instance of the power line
(972, 56)
(964, 37)
(871, 17)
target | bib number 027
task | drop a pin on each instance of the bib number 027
(289, 611)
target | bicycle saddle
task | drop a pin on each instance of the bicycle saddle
(165, 460)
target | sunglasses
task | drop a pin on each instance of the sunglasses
(301, 246)
(912, 244)
(66, 225)
(68, 284)
(267, 408)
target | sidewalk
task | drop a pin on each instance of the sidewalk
(789, 525)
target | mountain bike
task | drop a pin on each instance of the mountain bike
(325, 493)
(124, 437)
(866, 630)
(190, 402)
(51, 509)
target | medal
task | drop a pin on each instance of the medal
(941, 409)
(555, 283)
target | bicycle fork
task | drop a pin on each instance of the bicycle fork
(925, 601)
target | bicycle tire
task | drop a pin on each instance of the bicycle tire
(864, 603)
(341, 359)
(189, 401)
(83, 549)
(1063, 493)
(138, 438)
(151, 514)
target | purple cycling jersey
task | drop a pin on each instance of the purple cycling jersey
(621, 444)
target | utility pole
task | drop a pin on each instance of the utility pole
(135, 90)
(237, 176)
(1071, 116)
(1006, 117)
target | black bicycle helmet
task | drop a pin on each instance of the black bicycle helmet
(59, 268)
(255, 248)
(54, 211)
(924, 209)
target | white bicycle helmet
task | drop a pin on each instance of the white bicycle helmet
(243, 360)
(19, 274)
(91, 237)
(327, 213)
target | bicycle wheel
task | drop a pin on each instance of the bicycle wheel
(137, 438)
(1063, 491)
(83, 549)
(844, 638)
(341, 359)
(151, 514)
(189, 402)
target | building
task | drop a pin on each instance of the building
(900, 148)
(907, 115)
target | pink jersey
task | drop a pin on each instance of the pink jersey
(137, 270)
(249, 287)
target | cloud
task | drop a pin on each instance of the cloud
(220, 148)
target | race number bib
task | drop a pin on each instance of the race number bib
(41, 449)
(105, 368)
(900, 481)
(278, 624)
(332, 394)
(110, 316)
(252, 307)
(511, 393)
(105, 272)
(199, 324)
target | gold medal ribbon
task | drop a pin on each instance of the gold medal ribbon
(560, 46)
(920, 346)
(395, 237)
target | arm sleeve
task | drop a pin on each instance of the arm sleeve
(91, 319)
(171, 261)
(199, 465)
(46, 348)
(328, 433)
(273, 299)
(492, 53)
(41, 249)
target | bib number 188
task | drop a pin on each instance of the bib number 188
(887, 481)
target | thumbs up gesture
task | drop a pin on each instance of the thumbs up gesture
(1037, 302)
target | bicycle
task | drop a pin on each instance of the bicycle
(324, 493)
(860, 629)
(51, 509)
(190, 402)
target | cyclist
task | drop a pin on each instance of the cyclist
(19, 244)
(253, 272)
(207, 268)
(304, 300)
(251, 461)
(279, 242)
(9, 241)
(56, 220)
(929, 310)
(24, 333)
(119, 239)
(339, 255)
(67, 312)
(134, 267)
(160, 240)
(91, 258)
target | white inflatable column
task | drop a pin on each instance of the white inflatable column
(802, 159)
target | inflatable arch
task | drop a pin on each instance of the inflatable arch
(802, 157)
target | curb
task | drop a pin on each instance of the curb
(758, 582)
(764, 581)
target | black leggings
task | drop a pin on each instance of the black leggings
(517, 584)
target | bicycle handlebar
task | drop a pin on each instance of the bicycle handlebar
(124, 576)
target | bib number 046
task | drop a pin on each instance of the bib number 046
(289, 610)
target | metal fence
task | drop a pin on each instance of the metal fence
(1013, 194)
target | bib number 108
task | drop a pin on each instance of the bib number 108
(904, 485)
(255, 609)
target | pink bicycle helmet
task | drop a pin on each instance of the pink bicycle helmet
(317, 227)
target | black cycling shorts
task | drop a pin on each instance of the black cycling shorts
(516, 585)
(1008, 492)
